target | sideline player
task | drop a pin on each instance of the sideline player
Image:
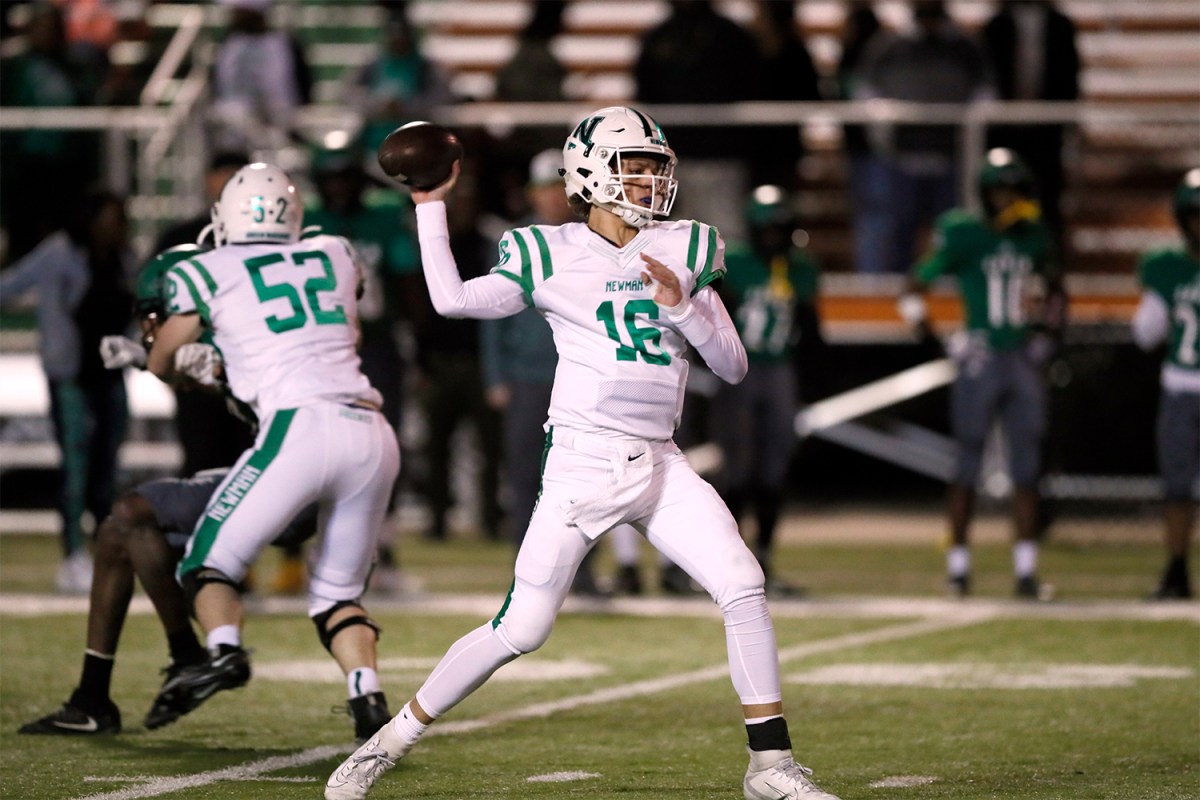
(624, 294)
(771, 294)
(997, 258)
(282, 312)
(1169, 312)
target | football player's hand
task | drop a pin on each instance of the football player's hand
(440, 191)
(119, 351)
(200, 362)
(664, 283)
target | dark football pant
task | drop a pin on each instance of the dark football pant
(1006, 386)
(1179, 444)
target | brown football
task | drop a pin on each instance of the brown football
(420, 154)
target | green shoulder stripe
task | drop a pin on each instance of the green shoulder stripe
(693, 246)
(526, 266)
(709, 272)
(204, 276)
(543, 253)
(197, 298)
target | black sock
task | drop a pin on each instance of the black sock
(94, 682)
(185, 647)
(769, 735)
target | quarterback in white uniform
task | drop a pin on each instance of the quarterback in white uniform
(624, 294)
(282, 312)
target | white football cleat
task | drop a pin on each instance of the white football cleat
(355, 776)
(775, 775)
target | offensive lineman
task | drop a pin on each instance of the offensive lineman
(145, 536)
(623, 295)
(1169, 312)
(282, 312)
(996, 259)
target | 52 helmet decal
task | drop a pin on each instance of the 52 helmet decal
(258, 204)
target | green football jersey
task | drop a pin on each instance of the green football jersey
(1175, 277)
(763, 297)
(388, 248)
(995, 271)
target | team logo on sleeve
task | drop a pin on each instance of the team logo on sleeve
(504, 254)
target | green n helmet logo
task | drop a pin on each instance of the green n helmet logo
(584, 132)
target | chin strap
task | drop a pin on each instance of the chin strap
(1020, 211)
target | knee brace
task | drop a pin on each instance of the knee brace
(326, 634)
(195, 580)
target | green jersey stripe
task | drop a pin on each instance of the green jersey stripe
(526, 266)
(234, 489)
(544, 252)
(693, 246)
(204, 275)
(201, 306)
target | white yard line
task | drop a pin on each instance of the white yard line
(252, 770)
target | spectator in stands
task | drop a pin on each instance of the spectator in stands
(533, 75)
(788, 73)
(43, 166)
(399, 86)
(260, 79)
(913, 167)
(860, 26)
(452, 384)
(697, 55)
(770, 290)
(1031, 47)
(1167, 314)
(81, 276)
(211, 437)
(392, 289)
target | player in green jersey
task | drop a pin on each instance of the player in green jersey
(1169, 313)
(770, 289)
(1014, 306)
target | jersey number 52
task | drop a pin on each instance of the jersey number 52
(300, 315)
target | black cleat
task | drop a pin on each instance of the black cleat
(370, 712)
(70, 720)
(192, 684)
(1172, 590)
(1030, 588)
(171, 704)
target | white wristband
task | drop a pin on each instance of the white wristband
(431, 219)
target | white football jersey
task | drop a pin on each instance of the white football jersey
(620, 361)
(283, 316)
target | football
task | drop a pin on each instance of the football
(420, 154)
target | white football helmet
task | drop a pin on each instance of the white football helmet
(592, 163)
(258, 204)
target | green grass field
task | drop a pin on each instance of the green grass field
(891, 691)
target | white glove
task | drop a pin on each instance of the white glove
(119, 351)
(200, 362)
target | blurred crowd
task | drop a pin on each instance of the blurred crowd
(442, 380)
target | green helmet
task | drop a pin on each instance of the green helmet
(1004, 169)
(768, 207)
(1186, 200)
(151, 297)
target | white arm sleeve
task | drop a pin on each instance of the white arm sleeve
(706, 324)
(490, 296)
(1151, 322)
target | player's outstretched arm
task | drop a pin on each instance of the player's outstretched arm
(487, 297)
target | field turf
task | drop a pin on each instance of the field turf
(891, 690)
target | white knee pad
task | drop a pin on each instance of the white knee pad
(741, 576)
(525, 623)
